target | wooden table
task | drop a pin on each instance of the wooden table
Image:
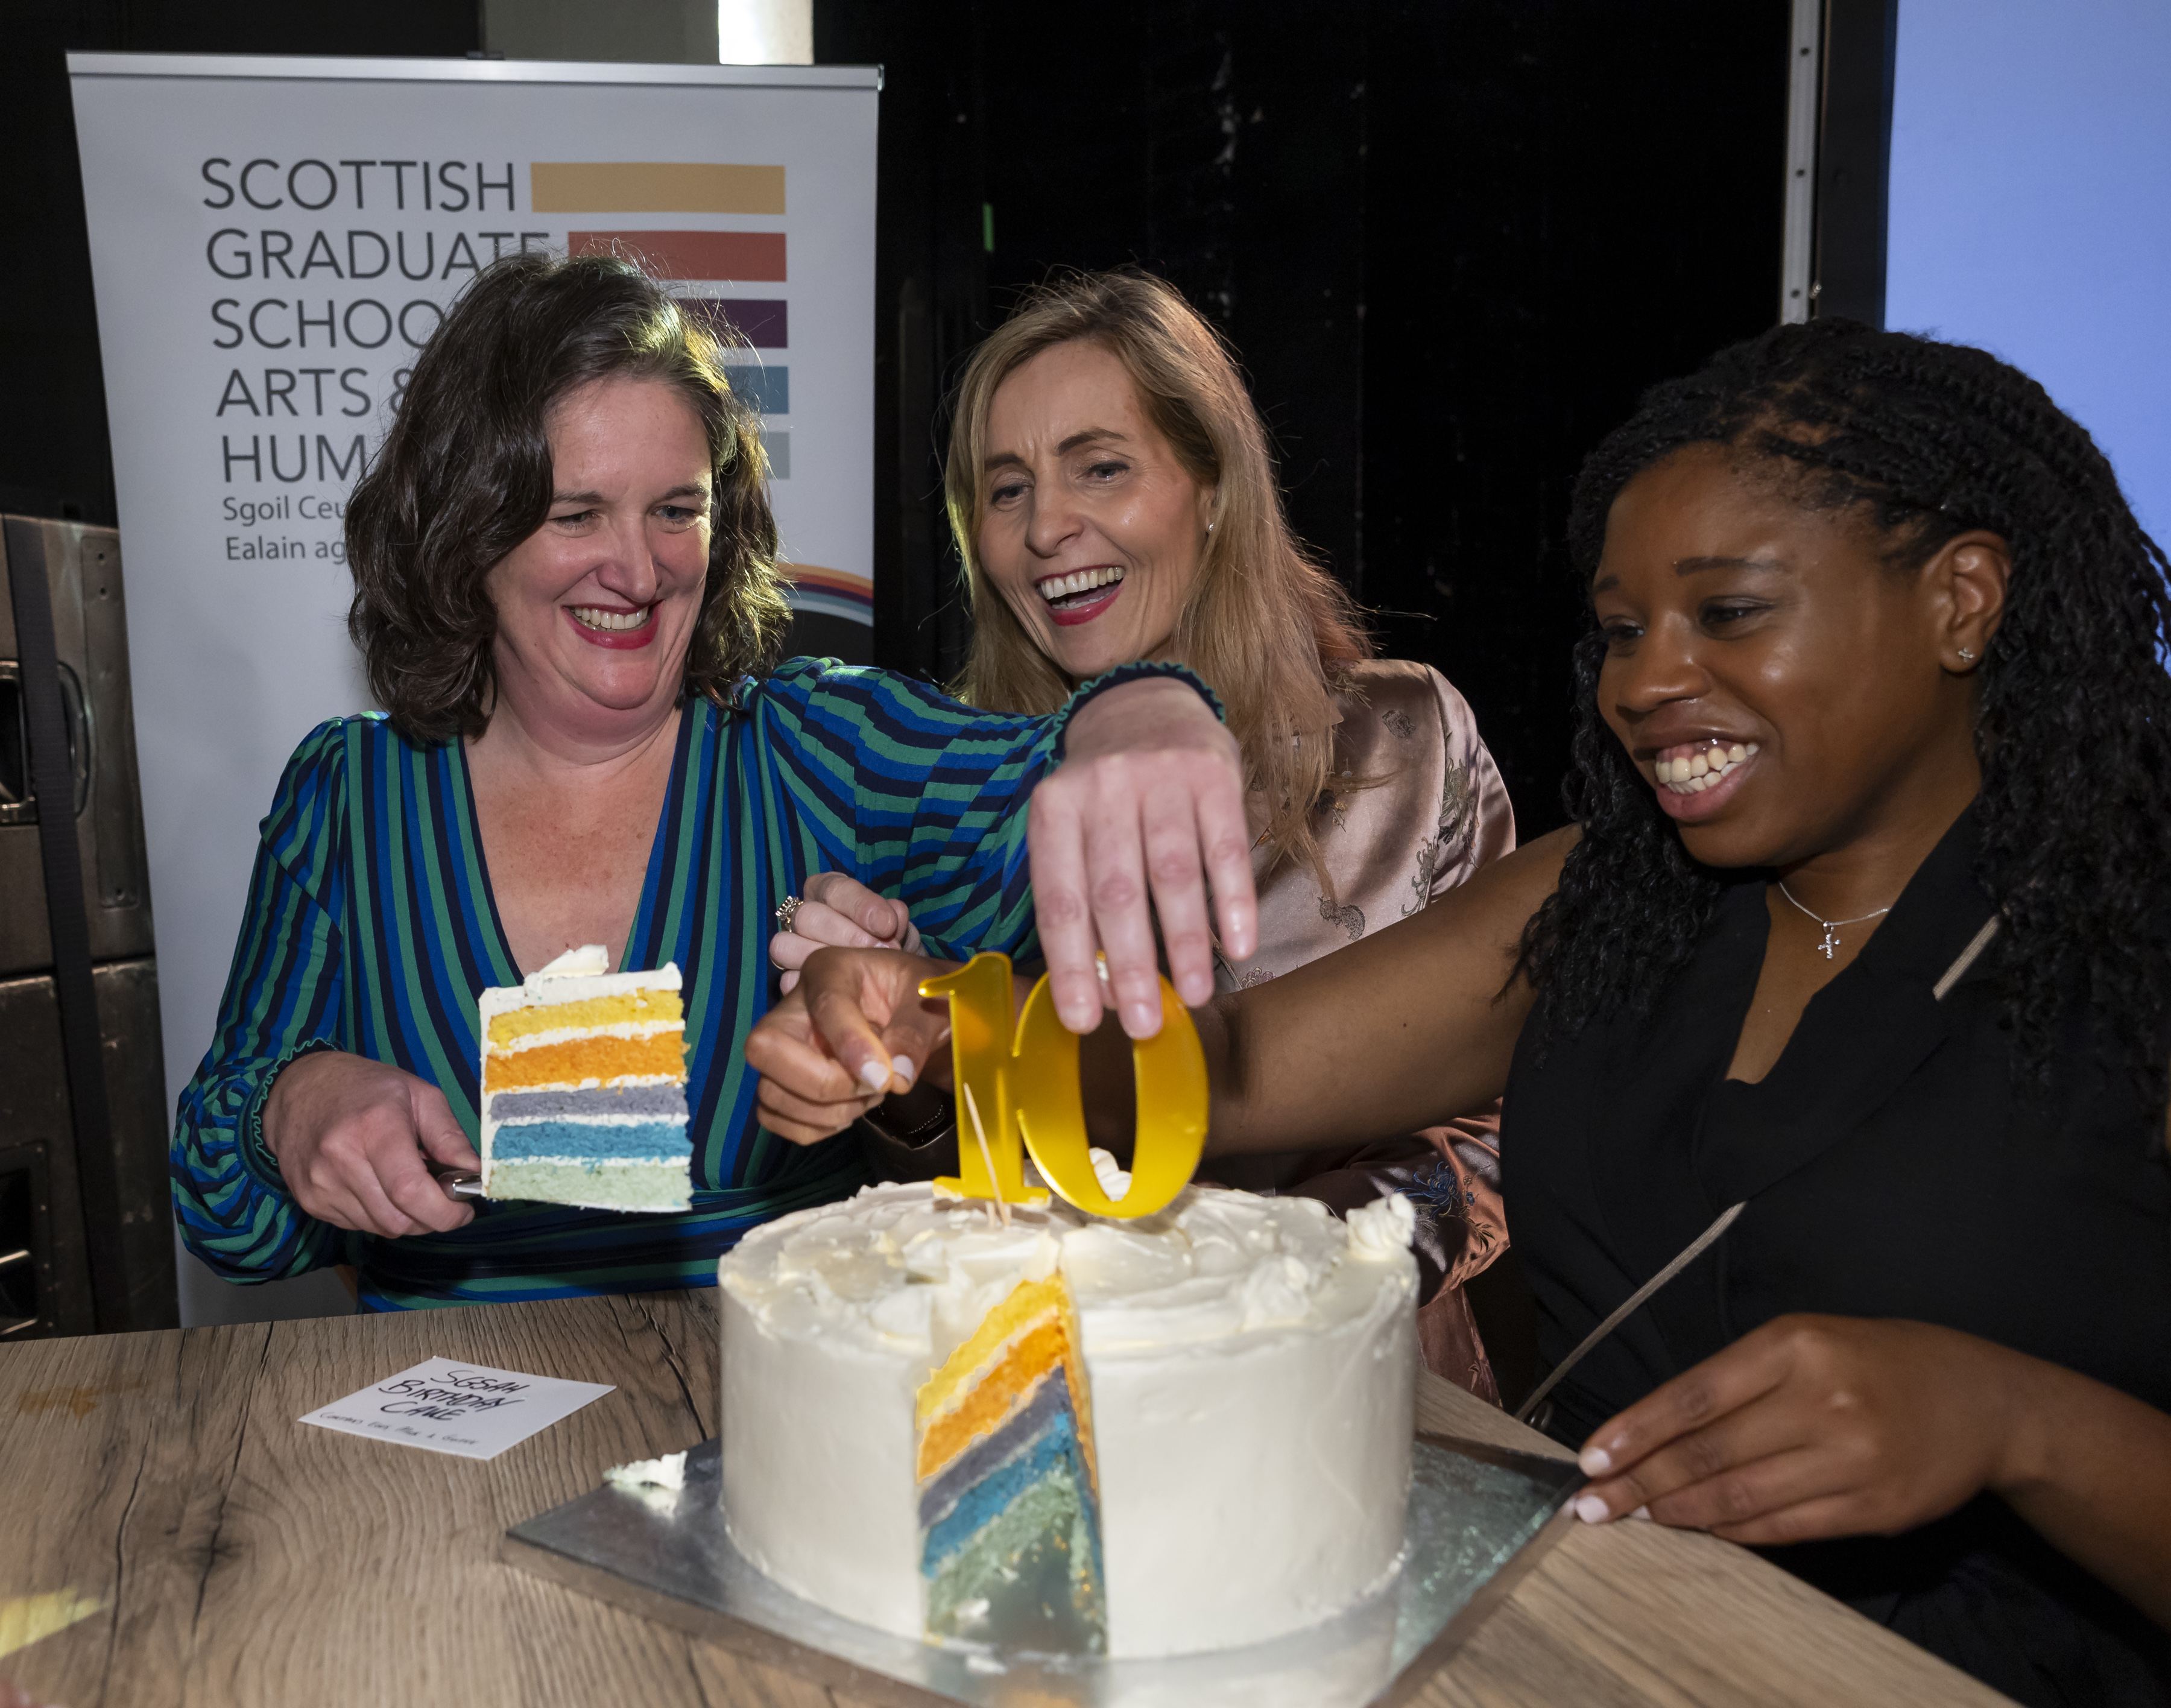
(241, 1558)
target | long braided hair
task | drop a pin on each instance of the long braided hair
(2074, 721)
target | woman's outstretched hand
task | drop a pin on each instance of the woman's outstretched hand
(1148, 804)
(839, 912)
(856, 1030)
(354, 1138)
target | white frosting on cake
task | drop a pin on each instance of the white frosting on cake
(668, 1472)
(1250, 1362)
(578, 975)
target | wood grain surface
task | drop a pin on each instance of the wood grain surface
(242, 1558)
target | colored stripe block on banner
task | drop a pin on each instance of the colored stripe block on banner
(690, 254)
(763, 322)
(631, 186)
(767, 390)
(817, 589)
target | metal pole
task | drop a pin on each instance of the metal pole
(1804, 82)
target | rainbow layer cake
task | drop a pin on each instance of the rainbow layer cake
(1062, 1435)
(584, 1087)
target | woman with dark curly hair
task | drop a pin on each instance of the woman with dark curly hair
(565, 593)
(1842, 1013)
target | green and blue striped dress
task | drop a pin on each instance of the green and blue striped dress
(371, 928)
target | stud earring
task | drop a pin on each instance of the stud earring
(1967, 655)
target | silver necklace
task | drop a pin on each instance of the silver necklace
(1831, 926)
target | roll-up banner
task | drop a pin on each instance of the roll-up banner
(271, 242)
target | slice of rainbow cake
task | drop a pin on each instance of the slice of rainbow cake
(1010, 1517)
(584, 1087)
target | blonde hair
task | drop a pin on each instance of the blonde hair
(1270, 629)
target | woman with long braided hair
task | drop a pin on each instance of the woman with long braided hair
(1842, 1013)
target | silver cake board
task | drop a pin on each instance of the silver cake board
(1479, 1517)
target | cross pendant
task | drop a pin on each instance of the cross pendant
(1830, 943)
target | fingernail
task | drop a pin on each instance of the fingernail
(1642, 1512)
(901, 1065)
(873, 1077)
(1595, 1461)
(1590, 1509)
(1141, 1019)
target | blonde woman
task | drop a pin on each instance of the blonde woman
(1114, 498)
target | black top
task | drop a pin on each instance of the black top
(1893, 1168)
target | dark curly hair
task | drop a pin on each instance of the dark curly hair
(464, 475)
(2074, 719)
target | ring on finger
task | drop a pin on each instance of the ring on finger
(786, 910)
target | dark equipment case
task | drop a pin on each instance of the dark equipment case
(86, 1241)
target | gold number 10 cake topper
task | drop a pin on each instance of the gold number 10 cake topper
(1023, 1084)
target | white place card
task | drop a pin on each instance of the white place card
(450, 1406)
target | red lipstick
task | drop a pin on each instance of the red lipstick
(1084, 608)
(617, 640)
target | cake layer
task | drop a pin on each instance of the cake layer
(1028, 1578)
(652, 1102)
(630, 1007)
(940, 1494)
(608, 1185)
(1031, 1300)
(1014, 1586)
(547, 1036)
(655, 1141)
(1051, 1446)
(585, 1060)
(1010, 1546)
(1035, 1355)
(583, 1087)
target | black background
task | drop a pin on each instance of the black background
(1451, 241)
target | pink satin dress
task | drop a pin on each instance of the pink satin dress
(1437, 812)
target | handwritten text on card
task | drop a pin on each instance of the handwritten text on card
(449, 1406)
